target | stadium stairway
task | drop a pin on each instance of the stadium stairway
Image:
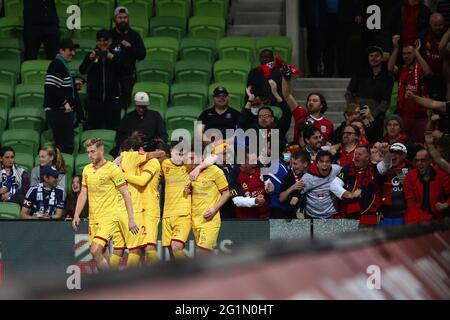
(333, 90)
(257, 18)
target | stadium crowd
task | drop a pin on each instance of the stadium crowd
(381, 166)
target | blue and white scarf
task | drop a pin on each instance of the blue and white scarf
(41, 203)
(13, 181)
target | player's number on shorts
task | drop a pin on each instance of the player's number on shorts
(144, 231)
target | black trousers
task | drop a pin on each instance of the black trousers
(104, 115)
(126, 85)
(61, 124)
(33, 37)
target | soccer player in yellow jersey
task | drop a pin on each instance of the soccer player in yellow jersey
(147, 182)
(209, 193)
(176, 222)
(101, 178)
(130, 161)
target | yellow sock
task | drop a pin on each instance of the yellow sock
(151, 256)
(114, 261)
(133, 260)
(179, 254)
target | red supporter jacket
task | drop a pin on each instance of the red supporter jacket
(252, 186)
(413, 189)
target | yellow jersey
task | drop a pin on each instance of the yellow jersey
(176, 202)
(131, 160)
(102, 184)
(206, 191)
(150, 193)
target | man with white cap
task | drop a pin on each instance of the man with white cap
(147, 124)
(129, 43)
(393, 199)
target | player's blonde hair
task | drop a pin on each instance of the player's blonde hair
(97, 142)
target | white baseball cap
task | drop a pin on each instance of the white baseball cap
(398, 147)
(141, 99)
(120, 10)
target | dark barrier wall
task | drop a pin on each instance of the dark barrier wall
(26, 246)
(36, 245)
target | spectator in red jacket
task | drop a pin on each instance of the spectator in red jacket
(246, 183)
(427, 190)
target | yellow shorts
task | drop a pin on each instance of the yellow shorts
(206, 237)
(101, 230)
(175, 228)
(150, 231)
(123, 238)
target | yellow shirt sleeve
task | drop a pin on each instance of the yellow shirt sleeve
(84, 177)
(117, 176)
(220, 180)
(152, 167)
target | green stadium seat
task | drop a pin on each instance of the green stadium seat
(193, 71)
(189, 94)
(29, 95)
(13, 8)
(229, 70)
(236, 92)
(198, 49)
(3, 118)
(9, 210)
(154, 71)
(237, 48)
(90, 26)
(108, 137)
(211, 8)
(21, 140)
(174, 27)
(61, 8)
(34, 71)
(82, 160)
(137, 8)
(173, 8)
(6, 95)
(10, 52)
(86, 46)
(182, 117)
(48, 140)
(277, 112)
(11, 27)
(64, 32)
(158, 92)
(162, 48)
(9, 75)
(31, 117)
(97, 8)
(140, 25)
(207, 27)
(69, 160)
(278, 44)
(25, 160)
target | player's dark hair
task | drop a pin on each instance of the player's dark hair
(323, 153)
(4, 150)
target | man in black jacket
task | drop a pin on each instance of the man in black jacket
(59, 97)
(373, 87)
(41, 25)
(129, 43)
(147, 124)
(103, 68)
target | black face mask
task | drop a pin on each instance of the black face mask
(123, 26)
